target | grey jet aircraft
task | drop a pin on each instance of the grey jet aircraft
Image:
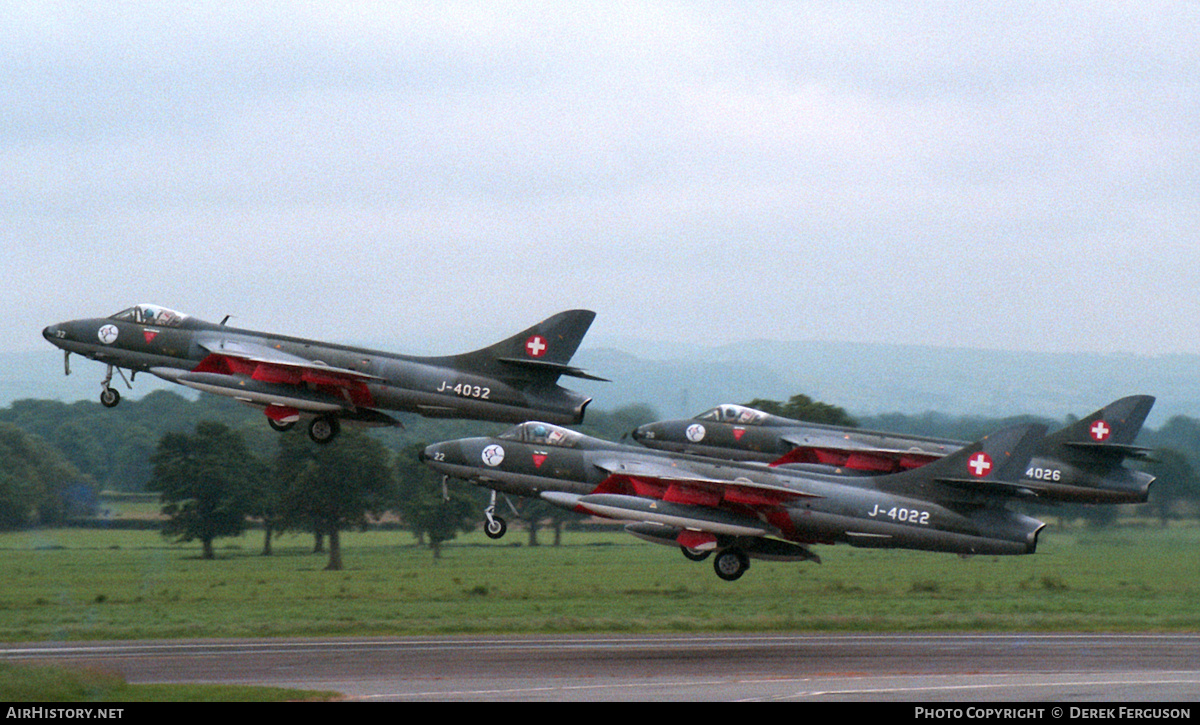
(290, 377)
(747, 510)
(1081, 463)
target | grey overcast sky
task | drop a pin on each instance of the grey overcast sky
(1004, 175)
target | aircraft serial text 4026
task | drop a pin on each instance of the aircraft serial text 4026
(510, 381)
(744, 510)
(1081, 463)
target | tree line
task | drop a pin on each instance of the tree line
(213, 477)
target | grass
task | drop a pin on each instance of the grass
(89, 585)
(41, 684)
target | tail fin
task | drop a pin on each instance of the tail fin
(1106, 435)
(538, 354)
(991, 465)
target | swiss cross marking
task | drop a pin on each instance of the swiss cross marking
(536, 346)
(979, 464)
(1100, 430)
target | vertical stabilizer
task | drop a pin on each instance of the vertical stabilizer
(1105, 435)
(538, 354)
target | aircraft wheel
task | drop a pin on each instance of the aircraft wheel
(324, 429)
(109, 397)
(495, 527)
(695, 554)
(281, 427)
(730, 564)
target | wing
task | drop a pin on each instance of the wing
(674, 485)
(262, 375)
(662, 494)
(846, 452)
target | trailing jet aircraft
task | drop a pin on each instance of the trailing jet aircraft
(288, 377)
(745, 510)
(1081, 463)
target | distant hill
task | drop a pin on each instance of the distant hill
(868, 379)
(865, 379)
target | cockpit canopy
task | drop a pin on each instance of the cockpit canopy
(542, 434)
(739, 414)
(150, 315)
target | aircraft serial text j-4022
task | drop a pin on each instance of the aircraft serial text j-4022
(288, 377)
(1081, 463)
(743, 510)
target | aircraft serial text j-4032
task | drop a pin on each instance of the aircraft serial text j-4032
(742, 510)
(288, 377)
(1081, 463)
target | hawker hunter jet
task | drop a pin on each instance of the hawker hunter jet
(1082, 463)
(746, 510)
(288, 377)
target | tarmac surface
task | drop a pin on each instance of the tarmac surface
(1113, 668)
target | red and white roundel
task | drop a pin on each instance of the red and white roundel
(1100, 431)
(979, 464)
(493, 455)
(536, 346)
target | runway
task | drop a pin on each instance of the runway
(1113, 668)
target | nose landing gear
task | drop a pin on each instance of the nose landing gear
(495, 526)
(110, 396)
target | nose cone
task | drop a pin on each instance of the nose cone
(643, 432)
(433, 454)
(58, 334)
(441, 456)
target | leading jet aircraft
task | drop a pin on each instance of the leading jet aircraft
(745, 510)
(1081, 463)
(288, 377)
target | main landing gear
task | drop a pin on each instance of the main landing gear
(323, 429)
(731, 563)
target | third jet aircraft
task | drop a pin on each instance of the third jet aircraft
(1082, 463)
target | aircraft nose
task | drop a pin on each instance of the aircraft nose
(434, 454)
(646, 432)
(54, 333)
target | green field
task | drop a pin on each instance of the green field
(73, 584)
